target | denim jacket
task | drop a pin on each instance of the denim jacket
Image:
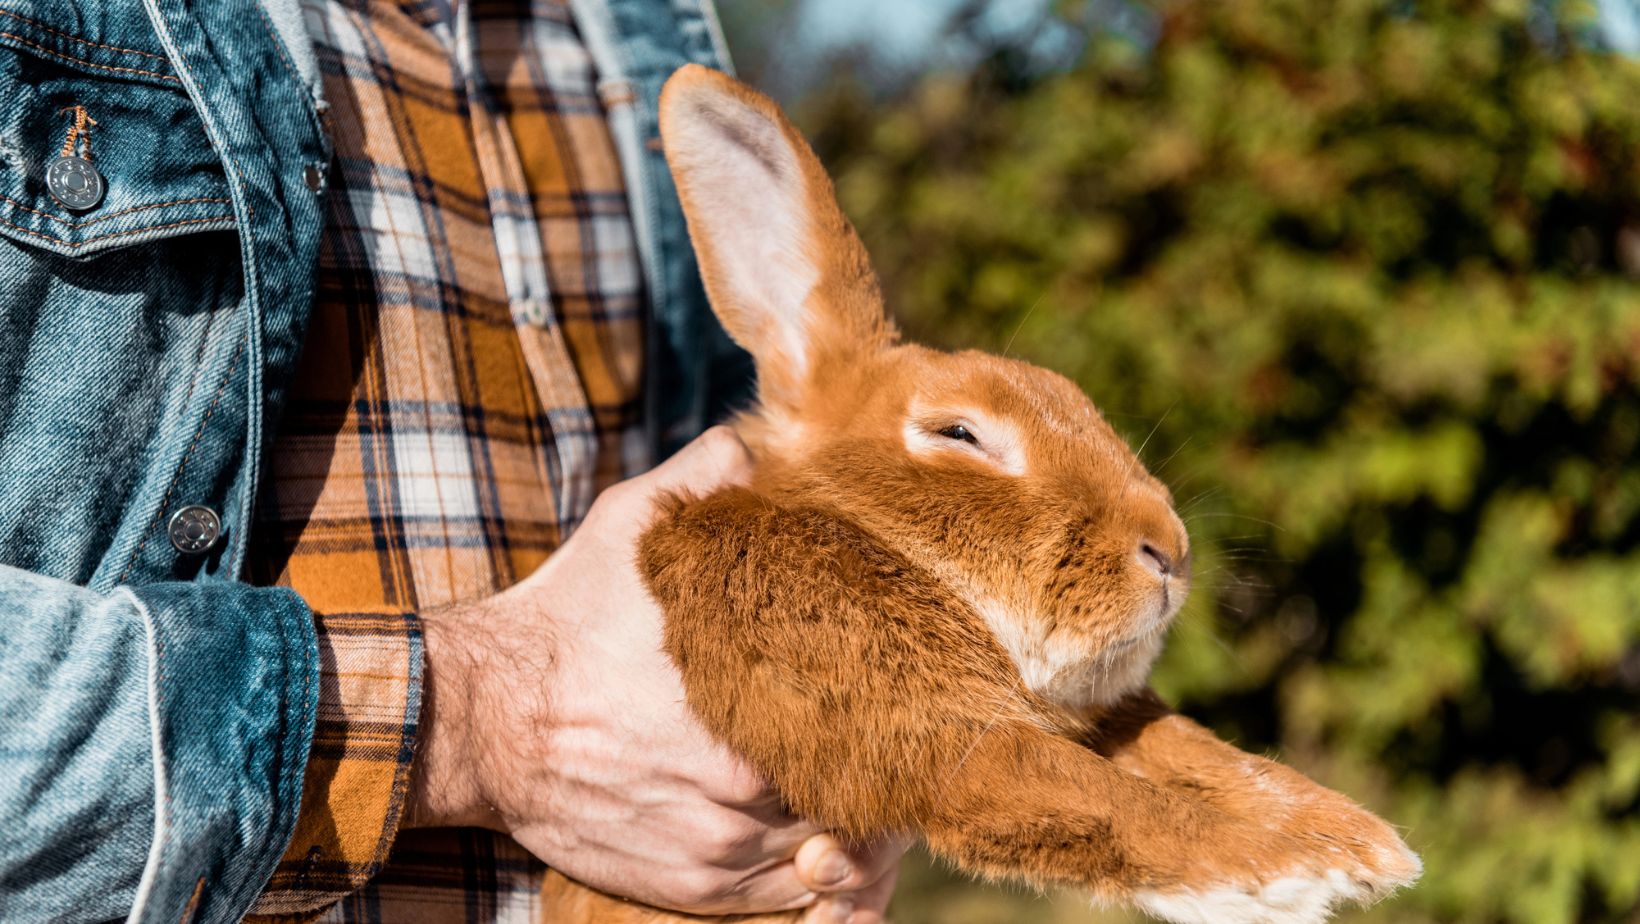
(155, 712)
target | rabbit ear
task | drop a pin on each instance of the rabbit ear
(785, 271)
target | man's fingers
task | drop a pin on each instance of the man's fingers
(859, 883)
(825, 865)
(856, 885)
(773, 888)
(868, 905)
(871, 902)
(831, 909)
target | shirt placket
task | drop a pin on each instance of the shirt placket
(523, 262)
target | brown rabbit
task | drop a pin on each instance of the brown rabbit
(935, 607)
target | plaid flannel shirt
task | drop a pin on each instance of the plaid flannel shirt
(471, 379)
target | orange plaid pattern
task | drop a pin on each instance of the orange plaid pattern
(471, 379)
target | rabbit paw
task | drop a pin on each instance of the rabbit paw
(1306, 893)
(1312, 850)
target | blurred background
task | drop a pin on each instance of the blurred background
(1366, 273)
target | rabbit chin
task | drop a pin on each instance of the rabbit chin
(1075, 671)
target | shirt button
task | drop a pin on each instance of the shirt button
(194, 529)
(75, 183)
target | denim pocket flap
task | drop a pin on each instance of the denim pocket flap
(99, 145)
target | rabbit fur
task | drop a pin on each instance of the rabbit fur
(934, 608)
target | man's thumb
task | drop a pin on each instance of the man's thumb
(715, 459)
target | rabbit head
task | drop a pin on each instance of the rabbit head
(998, 476)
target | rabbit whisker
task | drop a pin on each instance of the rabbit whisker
(1021, 325)
(1140, 452)
(1171, 456)
(1240, 516)
(977, 738)
(1199, 499)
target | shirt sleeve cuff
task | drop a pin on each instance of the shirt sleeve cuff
(358, 770)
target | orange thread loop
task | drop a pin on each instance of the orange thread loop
(78, 132)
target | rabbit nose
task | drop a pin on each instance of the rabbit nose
(1152, 557)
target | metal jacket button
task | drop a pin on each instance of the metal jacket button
(194, 529)
(75, 182)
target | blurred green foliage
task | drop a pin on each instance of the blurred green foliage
(1370, 270)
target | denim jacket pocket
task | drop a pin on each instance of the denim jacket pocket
(100, 146)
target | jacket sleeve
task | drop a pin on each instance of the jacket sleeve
(152, 746)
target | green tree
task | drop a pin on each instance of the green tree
(1368, 269)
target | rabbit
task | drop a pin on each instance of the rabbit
(935, 606)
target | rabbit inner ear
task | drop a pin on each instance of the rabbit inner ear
(743, 190)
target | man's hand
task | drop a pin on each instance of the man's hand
(552, 714)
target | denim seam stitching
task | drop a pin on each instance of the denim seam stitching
(278, 43)
(310, 708)
(105, 237)
(290, 64)
(176, 477)
(74, 38)
(254, 418)
(239, 171)
(137, 208)
(162, 788)
(308, 711)
(86, 61)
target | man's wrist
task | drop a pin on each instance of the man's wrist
(445, 785)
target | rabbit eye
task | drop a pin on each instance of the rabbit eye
(960, 432)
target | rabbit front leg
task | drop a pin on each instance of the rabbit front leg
(1345, 852)
(1028, 804)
